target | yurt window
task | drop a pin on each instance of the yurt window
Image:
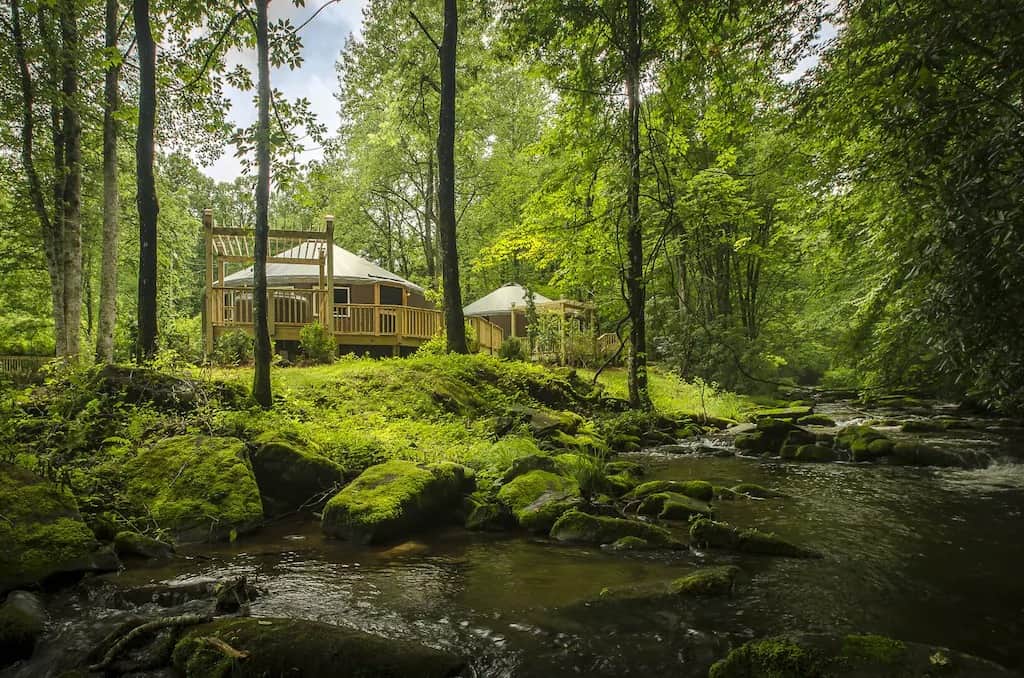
(342, 295)
(391, 296)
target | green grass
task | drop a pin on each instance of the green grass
(672, 395)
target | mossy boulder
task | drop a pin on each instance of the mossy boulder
(772, 435)
(816, 420)
(851, 656)
(913, 453)
(628, 468)
(672, 506)
(757, 491)
(485, 513)
(923, 426)
(134, 545)
(697, 489)
(42, 532)
(580, 443)
(784, 413)
(618, 484)
(527, 463)
(538, 498)
(631, 544)
(22, 618)
(714, 534)
(707, 581)
(583, 528)
(864, 443)
(295, 647)
(817, 452)
(394, 499)
(292, 478)
(197, 488)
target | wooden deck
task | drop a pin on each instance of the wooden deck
(352, 324)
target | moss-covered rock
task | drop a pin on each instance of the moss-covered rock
(852, 656)
(583, 528)
(618, 484)
(394, 499)
(485, 513)
(294, 647)
(784, 413)
(527, 463)
(631, 544)
(767, 658)
(583, 442)
(629, 468)
(41, 532)
(291, 478)
(538, 498)
(22, 618)
(817, 452)
(913, 453)
(772, 435)
(714, 534)
(923, 426)
(816, 420)
(672, 506)
(707, 581)
(197, 488)
(697, 489)
(864, 443)
(757, 491)
(132, 544)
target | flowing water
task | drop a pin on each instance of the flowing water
(925, 555)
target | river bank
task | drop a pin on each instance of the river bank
(906, 552)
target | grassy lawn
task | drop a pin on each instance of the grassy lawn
(672, 395)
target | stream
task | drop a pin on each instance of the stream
(926, 555)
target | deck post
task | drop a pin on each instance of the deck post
(209, 306)
(329, 303)
(512, 320)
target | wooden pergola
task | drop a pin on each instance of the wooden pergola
(228, 245)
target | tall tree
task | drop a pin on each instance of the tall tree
(261, 390)
(71, 56)
(111, 201)
(635, 285)
(455, 323)
(146, 197)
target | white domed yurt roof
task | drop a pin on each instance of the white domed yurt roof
(501, 300)
(349, 269)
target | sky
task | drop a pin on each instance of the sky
(322, 41)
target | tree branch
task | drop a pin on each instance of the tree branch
(425, 31)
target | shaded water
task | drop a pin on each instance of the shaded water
(925, 555)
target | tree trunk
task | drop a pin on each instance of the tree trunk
(111, 205)
(455, 323)
(49, 227)
(635, 285)
(261, 379)
(72, 177)
(146, 198)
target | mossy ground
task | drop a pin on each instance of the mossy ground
(87, 427)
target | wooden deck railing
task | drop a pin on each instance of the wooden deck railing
(20, 367)
(488, 335)
(232, 307)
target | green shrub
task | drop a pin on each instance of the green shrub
(233, 348)
(183, 336)
(317, 343)
(512, 349)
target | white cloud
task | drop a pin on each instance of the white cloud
(316, 80)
